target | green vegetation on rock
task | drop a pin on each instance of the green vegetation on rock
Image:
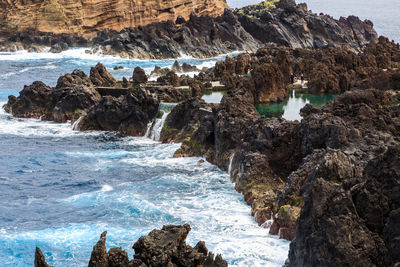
(255, 11)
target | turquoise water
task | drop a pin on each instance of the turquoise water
(290, 108)
(61, 188)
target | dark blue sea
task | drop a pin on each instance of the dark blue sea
(61, 188)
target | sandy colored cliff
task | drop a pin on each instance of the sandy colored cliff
(84, 17)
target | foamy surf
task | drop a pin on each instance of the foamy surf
(65, 187)
(216, 212)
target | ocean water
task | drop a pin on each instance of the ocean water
(61, 188)
(383, 13)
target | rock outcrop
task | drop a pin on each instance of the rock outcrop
(73, 95)
(285, 24)
(182, 125)
(278, 164)
(100, 101)
(331, 70)
(39, 260)
(199, 37)
(139, 76)
(165, 247)
(291, 25)
(129, 114)
(200, 34)
(101, 77)
(84, 18)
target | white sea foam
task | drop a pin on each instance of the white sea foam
(35, 127)
(106, 188)
(184, 192)
(180, 191)
(81, 53)
(216, 212)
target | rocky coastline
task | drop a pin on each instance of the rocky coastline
(330, 183)
(309, 176)
(165, 247)
(200, 35)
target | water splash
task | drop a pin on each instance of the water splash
(230, 164)
(154, 128)
(75, 125)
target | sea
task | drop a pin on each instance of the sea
(61, 188)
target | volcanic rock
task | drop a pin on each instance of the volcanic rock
(331, 70)
(249, 28)
(169, 79)
(139, 76)
(129, 114)
(167, 247)
(184, 119)
(209, 31)
(99, 257)
(100, 76)
(39, 261)
(73, 95)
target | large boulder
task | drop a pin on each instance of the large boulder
(73, 96)
(184, 119)
(171, 78)
(34, 101)
(167, 247)
(100, 76)
(99, 257)
(129, 114)
(139, 76)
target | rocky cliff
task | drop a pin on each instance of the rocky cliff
(284, 24)
(208, 31)
(88, 16)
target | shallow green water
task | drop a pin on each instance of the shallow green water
(290, 108)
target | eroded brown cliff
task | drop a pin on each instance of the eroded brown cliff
(85, 17)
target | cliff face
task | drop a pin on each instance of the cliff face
(87, 16)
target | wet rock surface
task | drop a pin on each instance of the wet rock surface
(165, 247)
(191, 123)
